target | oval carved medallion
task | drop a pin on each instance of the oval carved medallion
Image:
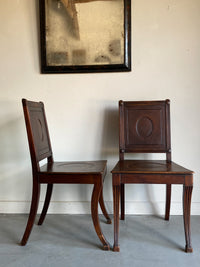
(144, 127)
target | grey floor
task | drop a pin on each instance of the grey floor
(70, 240)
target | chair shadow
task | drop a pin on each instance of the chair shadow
(71, 227)
(155, 235)
(110, 133)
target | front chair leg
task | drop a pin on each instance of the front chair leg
(187, 195)
(94, 210)
(103, 208)
(116, 196)
(33, 212)
(168, 201)
(46, 203)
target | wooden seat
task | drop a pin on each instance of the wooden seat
(82, 172)
(144, 127)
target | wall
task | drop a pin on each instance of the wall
(82, 109)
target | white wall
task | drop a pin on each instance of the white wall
(82, 108)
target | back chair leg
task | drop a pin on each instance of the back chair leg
(46, 204)
(94, 210)
(122, 195)
(168, 201)
(33, 212)
(187, 195)
(103, 208)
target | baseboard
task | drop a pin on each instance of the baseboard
(137, 208)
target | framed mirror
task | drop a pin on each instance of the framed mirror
(82, 36)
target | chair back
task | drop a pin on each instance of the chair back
(144, 127)
(37, 131)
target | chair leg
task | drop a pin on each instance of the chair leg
(116, 196)
(103, 208)
(187, 195)
(94, 210)
(168, 201)
(46, 203)
(33, 212)
(122, 202)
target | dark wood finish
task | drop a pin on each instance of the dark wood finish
(82, 172)
(46, 203)
(122, 201)
(116, 196)
(168, 201)
(126, 66)
(187, 195)
(144, 127)
(103, 208)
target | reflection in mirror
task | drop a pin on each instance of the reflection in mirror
(84, 32)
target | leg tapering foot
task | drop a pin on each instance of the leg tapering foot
(106, 247)
(116, 248)
(189, 250)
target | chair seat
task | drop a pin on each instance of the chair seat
(75, 167)
(149, 166)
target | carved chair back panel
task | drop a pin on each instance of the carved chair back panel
(144, 126)
(37, 130)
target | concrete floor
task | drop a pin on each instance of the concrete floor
(70, 240)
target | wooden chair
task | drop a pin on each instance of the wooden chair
(91, 172)
(144, 127)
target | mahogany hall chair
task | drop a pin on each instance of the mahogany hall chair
(144, 127)
(90, 172)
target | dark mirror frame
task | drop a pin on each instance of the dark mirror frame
(126, 66)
